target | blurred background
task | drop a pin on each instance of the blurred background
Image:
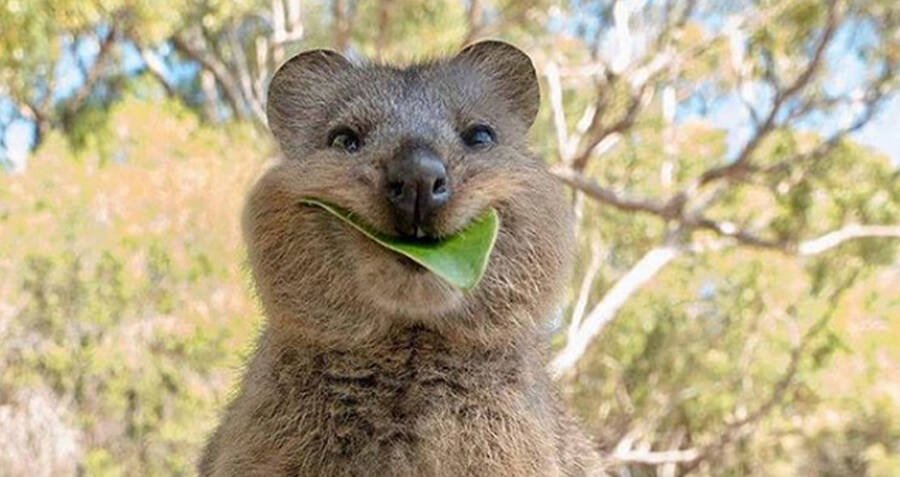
(735, 308)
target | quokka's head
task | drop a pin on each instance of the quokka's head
(417, 151)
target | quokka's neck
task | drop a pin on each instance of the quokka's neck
(366, 331)
(402, 346)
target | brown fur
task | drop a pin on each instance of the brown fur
(369, 365)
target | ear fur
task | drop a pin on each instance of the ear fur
(509, 71)
(300, 92)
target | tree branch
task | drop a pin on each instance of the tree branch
(294, 21)
(872, 99)
(849, 232)
(342, 12)
(93, 74)
(584, 291)
(279, 30)
(35, 114)
(383, 19)
(252, 93)
(809, 247)
(156, 67)
(597, 132)
(673, 210)
(210, 63)
(649, 457)
(590, 187)
(555, 95)
(742, 162)
(603, 312)
(657, 258)
(731, 230)
(474, 21)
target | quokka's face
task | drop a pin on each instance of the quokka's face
(417, 152)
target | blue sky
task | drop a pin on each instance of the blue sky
(883, 133)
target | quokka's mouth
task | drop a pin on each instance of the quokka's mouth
(461, 259)
(410, 264)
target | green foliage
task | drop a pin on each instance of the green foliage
(131, 303)
(399, 28)
(711, 340)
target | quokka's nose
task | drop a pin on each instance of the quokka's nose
(417, 186)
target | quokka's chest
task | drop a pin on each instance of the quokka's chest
(402, 407)
(435, 427)
(422, 417)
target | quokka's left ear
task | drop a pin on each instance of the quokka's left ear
(510, 71)
(302, 90)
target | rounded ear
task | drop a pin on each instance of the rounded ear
(510, 73)
(300, 92)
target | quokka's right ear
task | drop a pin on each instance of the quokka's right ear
(301, 91)
(509, 71)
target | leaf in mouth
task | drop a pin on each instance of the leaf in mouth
(460, 259)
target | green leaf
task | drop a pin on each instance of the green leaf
(460, 259)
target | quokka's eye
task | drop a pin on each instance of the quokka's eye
(344, 138)
(479, 136)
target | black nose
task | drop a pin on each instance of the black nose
(417, 186)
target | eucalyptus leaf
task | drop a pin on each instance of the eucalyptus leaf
(460, 259)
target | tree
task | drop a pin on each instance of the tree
(706, 202)
(791, 100)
